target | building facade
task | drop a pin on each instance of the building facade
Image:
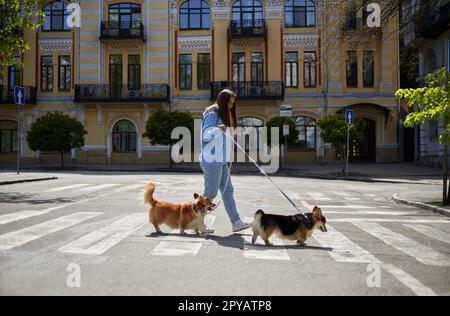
(427, 27)
(132, 57)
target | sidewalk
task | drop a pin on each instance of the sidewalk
(382, 172)
(423, 199)
(12, 178)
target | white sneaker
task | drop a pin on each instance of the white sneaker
(241, 225)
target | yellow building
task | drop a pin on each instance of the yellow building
(131, 57)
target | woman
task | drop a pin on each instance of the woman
(216, 152)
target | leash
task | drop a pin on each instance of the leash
(260, 170)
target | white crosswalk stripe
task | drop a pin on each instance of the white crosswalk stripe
(179, 245)
(318, 196)
(409, 246)
(347, 196)
(20, 237)
(70, 187)
(343, 249)
(98, 242)
(430, 232)
(409, 281)
(262, 252)
(97, 188)
(14, 217)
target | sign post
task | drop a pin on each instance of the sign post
(349, 120)
(19, 99)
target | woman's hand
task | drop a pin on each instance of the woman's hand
(222, 127)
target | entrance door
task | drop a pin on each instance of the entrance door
(365, 151)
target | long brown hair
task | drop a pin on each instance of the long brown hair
(228, 116)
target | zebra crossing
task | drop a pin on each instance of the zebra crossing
(342, 247)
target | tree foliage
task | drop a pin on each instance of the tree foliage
(279, 121)
(16, 17)
(56, 132)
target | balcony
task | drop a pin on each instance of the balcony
(7, 95)
(122, 30)
(121, 93)
(267, 90)
(247, 28)
(434, 22)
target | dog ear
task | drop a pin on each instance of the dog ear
(196, 196)
(317, 211)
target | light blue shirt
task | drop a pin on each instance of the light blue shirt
(214, 143)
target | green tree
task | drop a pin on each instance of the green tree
(161, 124)
(279, 121)
(56, 132)
(432, 103)
(334, 131)
(15, 18)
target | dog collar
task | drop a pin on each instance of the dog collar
(308, 220)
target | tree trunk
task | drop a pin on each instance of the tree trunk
(344, 159)
(445, 180)
(62, 160)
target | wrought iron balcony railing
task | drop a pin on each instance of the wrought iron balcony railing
(7, 95)
(248, 28)
(121, 93)
(433, 22)
(266, 90)
(122, 30)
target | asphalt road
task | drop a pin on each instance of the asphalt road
(87, 234)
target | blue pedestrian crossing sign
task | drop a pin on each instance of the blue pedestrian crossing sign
(349, 117)
(19, 95)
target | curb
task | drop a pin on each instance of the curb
(423, 206)
(27, 180)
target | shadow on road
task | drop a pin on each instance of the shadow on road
(16, 198)
(235, 241)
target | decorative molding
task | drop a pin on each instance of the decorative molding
(190, 43)
(99, 115)
(125, 46)
(155, 148)
(48, 46)
(221, 9)
(300, 40)
(258, 43)
(274, 9)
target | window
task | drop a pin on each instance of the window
(300, 13)
(256, 123)
(134, 71)
(351, 22)
(306, 127)
(310, 70)
(124, 137)
(65, 73)
(14, 76)
(46, 73)
(248, 14)
(125, 16)
(8, 137)
(56, 15)
(195, 14)
(115, 69)
(238, 67)
(186, 72)
(203, 71)
(257, 68)
(352, 69)
(291, 70)
(368, 69)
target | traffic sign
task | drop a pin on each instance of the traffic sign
(286, 129)
(19, 95)
(349, 117)
(286, 111)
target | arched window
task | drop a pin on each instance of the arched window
(300, 13)
(125, 15)
(251, 122)
(8, 136)
(124, 137)
(306, 127)
(195, 14)
(248, 14)
(56, 17)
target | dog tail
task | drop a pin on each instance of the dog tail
(148, 195)
(258, 215)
